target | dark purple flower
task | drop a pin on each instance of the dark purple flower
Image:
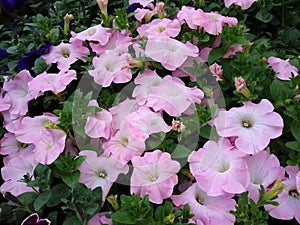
(132, 8)
(33, 219)
(3, 53)
(28, 59)
(11, 5)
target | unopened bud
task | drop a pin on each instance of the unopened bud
(177, 126)
(134, 63)
(217, 71)
(169, 219)
(277, 188)
(113, 200)
(160, 8)
(241, 86)
(67, 21)
(103, 7)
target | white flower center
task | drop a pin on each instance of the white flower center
(223, 166)
(247, 123)
(257, 180)
(102, 174)
(109, 68)
(153, 179)
(161, 29)
(200, 199)
(124, 141)
(294, 193)
(65, 52)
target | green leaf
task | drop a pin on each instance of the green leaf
(78, 161)
(264, 16)
(168, 208)
(122, 217)
(91, 208)
(295, 129)
(28, 197)
(209, 132)
(58, 192)
(53, 217)
(97, 195)
(41, 200)
(54, 35)
(215, 54)
(72, 220)
(71, 178)
(295, 145)
(280, 90)
(180, 152)
(40, 66)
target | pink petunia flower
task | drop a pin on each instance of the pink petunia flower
(148, 121)
(211, 22)
(288, 199)
(100, 219)
(232, 50)
(253, 125)
(282, 68)
(172, 96)
(144, 83)
(186, 14)
(111, 68)
(13, 173)
(209, 210)
(9, 145)
(51, 82)
(121, 111)
(204, 53)
(99, 124)
(245, 4)
(5, 103)
(96, 33)
(264, 169)
(17, 90)
(154, 174)
(125, 144)
(118, 44)
(100, 171)
(219, 168)
(169, 52)
(31, 129)
(65, 54)
(50, 145)
(162, 27)
(298, 181)
(140, 14)
(11, 122)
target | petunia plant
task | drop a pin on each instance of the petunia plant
(150, 112)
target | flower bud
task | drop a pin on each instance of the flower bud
(169, 219)
(113, 200)
(177, 126)
(67, 21)
(275, 190)
(160, 8)
(241, 86)
(217, 71)
(103, 7)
